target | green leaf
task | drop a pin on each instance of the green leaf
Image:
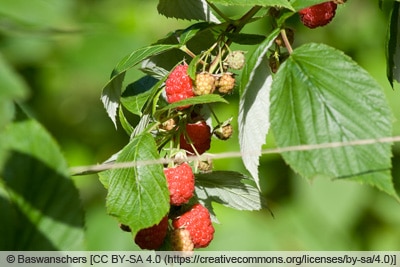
(187, 34)
(137, 94)
(124, 121)
(111, 93)
(246, 38)
(254, 106)
(300, 4)
(138, 196)
(12, 89)
(186, 9)
(393, 45)
(320, 95)
(277, 3)
(196, 100)
(229, 189)
(40, 205)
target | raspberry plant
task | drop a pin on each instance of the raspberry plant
(306, 94)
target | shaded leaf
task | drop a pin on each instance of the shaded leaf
(320, 95)
(38, 199)
(186, 9)
(137, 94)
(246, 38)
(254, 106)
(393, 45)
(229, 189)
(138, 196)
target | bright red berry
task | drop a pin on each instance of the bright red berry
(180, 181)
(178, 85)
(199, 135)
(198, 222)
(318, 15)
(152, 237)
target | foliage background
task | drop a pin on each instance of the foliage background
(66, 49)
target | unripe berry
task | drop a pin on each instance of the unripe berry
(204, 84)
(226, 83)
(235, 60)
(224, 132)
(180, 240)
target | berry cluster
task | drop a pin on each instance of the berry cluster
(188, 224)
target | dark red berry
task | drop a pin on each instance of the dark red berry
(318, 15)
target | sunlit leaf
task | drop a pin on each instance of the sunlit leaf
(186, 9)
(320, 95)
(138, 196)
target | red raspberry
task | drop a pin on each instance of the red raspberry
(199, 134)
(198, 222)
(178, 85)
(152, 237)
(318, 15)
(180, 184)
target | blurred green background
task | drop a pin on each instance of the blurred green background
(66, 49)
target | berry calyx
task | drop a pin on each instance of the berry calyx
(152, 237)
(318, 15)
(180, 240)
(198, 222)
(204, 84)
(180, 182)
(178, 85)
(226, 83)
(197, 135)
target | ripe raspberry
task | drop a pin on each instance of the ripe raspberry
(224, 132)
(178, 85)
(180, 240)
(199, 135)
(318, 15)
(152, 237)
(198, 222)
(204, 84)
(235, 60)
(180, 181)
(226, 83)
